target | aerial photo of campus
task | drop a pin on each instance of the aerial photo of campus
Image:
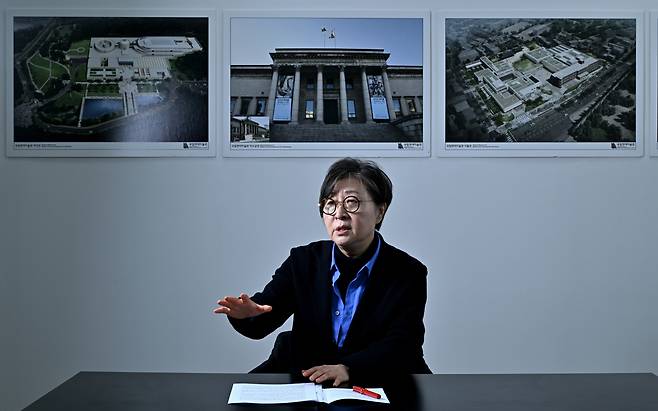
(521, 80)
(111, 79)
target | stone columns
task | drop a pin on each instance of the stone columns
(272, 96)
(343, 97)
(366, 95)
(404, 106)
(319, 106)
(252, 107)
(295, 95)
(419, 105)
(387, 92)
(236, 107)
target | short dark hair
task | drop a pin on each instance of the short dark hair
(372, 177)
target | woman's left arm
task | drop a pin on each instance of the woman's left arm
(400, 349)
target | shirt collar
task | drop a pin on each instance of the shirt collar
(333, 268)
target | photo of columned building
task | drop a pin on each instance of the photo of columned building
(330, 95)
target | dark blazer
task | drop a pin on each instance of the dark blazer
(386, 334)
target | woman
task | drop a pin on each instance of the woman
(358, 303)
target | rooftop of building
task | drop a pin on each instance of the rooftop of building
(326, 50)
(321, 55)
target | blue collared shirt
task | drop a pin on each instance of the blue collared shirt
(342, 312)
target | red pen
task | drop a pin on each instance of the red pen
(366, 392)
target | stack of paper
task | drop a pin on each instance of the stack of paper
(285, 393)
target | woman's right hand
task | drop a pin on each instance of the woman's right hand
(240, 307)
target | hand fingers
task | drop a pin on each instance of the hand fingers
(233, 300)
(317, 374)
(324, 377)
(246, 301)
(264, 308)
(222, 310)
(228, 304)
(240, 307)
(321, 373)
(338, 381)
(342, 374)
(313, 377)
(308, 372)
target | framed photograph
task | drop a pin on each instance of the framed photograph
(539, 85)
(98, 83)
(652, 135)
(326, 84)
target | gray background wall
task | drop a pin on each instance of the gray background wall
(536, 265)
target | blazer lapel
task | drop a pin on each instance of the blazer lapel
(322, 299)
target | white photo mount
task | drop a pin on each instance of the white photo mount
(119, 95)
(504, 127)
(652, 135)
(246, 132)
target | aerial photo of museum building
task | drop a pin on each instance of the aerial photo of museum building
(128, 60)
(144, 58)
(328, 94)
(509, 88)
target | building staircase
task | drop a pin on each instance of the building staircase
(338, 133)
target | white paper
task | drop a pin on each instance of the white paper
(272, 393)
(335, 394)
(286, 393)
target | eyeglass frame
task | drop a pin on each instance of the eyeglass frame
(321, 205)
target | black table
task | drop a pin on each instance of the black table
(114, 391)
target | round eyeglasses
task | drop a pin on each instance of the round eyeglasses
(350, 204)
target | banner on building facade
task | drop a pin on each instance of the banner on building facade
(377, 98)
(283, 101)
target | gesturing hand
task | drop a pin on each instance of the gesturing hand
(240, 307)
(338, 373)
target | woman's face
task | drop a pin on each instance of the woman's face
(353, 232)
